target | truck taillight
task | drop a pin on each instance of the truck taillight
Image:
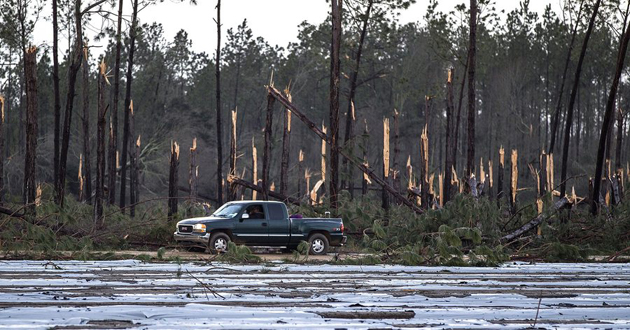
(342, 227)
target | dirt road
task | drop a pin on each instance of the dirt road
(133, 294)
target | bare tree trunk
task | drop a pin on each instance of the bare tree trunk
(193, 171)
(30, 62)
(576, 82)
(386, 170)
(87, 169)
(459, 113)
(449, 143)
(335, 69)
(286, 148)
(254, 168)
(472, 50)
(100, 148)
(136, 179)
(172, 180)
(500, 175)
(2, 146)
(126, 139)
(113, 146)
(556, 117)
(606, 125)
(73, 70)
(396, 166)
(219, 123)
(351, 114)
(132, 161)
(267, 150)
(57, 93)
(300, 171)
(620, 130)
(365, 181)
(232, 188)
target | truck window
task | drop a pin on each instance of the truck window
(255, 211)
(276, 212)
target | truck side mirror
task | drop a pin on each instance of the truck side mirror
(244, 216)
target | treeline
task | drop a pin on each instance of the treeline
(526, 81)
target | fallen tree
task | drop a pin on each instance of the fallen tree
(562, 202)
(233, 180)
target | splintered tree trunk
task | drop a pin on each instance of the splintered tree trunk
(232, 188)
(395, 169)
(300, 171)
(335, 69)
(193, 171)
(606, 125)
(219, 122)
(254, 168)
(100, 148)
(286, 148)
(351, 115)
(472, 50)
(500, 174)
(87, 169)
(424, 169)
(126, 139)
(172, 180)
(31, 129)
(448, 164)
(576, 82)
(267, 151)
(73, 69)
(513, 180)
(386, 170)
(366, 179)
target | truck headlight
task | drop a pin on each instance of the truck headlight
(199, 228)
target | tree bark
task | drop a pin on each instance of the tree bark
(448, 164)
(193, 171)
(275, 94)
(535, 222)
(172, 180)
(57, 94)
(556, 118)
(218, 96)
(236, 181)
(286, 149)
(606, 125)
(576, 82)
(114, 112)
(100, 148)
(73, 70)
(2, 146)
(87, 169)
(267, 148)
(459, 115)
(335, 68)
(472, 50)
(232, 188)
(396, 156)
(351, 114)
(132, 161)
(30, 62)
(620, 130)
(126, 139)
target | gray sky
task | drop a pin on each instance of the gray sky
(274, 20)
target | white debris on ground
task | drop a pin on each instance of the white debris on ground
(133, 294)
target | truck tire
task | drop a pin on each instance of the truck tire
(218, 242)
(318, 244)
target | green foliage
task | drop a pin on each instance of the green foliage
(300, 254)
(558, 252)
(238, 254)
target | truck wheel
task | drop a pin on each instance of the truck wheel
(219, 242)
(318, 244)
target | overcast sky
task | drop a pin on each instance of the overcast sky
(274, 20)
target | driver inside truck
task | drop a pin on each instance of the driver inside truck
(255, 212)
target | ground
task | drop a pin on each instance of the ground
(134, 294)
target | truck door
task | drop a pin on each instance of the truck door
(278, 224)
(253, 230)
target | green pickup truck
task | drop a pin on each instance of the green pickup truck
(259, 223)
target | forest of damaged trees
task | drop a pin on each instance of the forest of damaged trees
(514, 106)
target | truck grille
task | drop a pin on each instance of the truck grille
(185, 228)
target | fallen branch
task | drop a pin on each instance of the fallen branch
(369, 172)
(12, 213)
(205, 286)
(564, 201)
(614, 256)
(235, 180)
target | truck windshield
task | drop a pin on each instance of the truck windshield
(227, 211)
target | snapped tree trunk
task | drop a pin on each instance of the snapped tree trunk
(193, 171)
(267, 148)
(351, 114)
(576, 82)
(73, 69)
(100, 148)
(448, 164)
(286, 148)
(172, 180)
(395, 169)
(30, 61)
(219, 123)
(606, 125)
(87, 169)
(335, 68)
(232, 188)
(132, 161)
(472, 50)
